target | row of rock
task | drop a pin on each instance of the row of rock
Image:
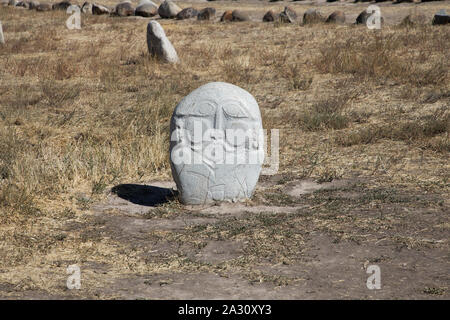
(311, 16)
(170, 10)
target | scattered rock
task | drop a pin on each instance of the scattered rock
(146, 9)
(98, 9)
(124, 9)
(270, 16)
(168, 10)
(44, 7)
(313, 16)
(86, 8)
(206, 14)
(288, 15)
(215, 178)
(414, 19)
(158, 44)
(63, 5)
(336, 17)
(441, 18)
(187, 13)
(238, 15)
(227, 16)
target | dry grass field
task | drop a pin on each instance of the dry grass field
(364, 123)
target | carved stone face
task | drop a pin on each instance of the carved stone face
(216, 144)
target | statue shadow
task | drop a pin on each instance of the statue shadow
(144, 195)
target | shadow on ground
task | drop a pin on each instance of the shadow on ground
(144, 195)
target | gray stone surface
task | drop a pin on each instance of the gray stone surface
(168, 10)
(124, 9)
(206, 14)
(313, 16)
(63, 5)
(216, 148)
(336, 17)
(238, 15)
(158, 44)
(44, 7)
(415, 19)
(187, 13)
(98, 9)
(441, 18)
(33, 4)
(270, 16)
(288, 15)
(146, 8)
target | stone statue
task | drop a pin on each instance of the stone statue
(216, 148)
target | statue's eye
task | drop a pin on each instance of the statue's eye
(203, 108)
(234, 109)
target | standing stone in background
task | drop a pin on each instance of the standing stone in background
(227, 16)
(217, 145)
(2, 38)
(187, 13)
(146, 8)
(288, 15)
(12, 3)
(168, 10)
(86, 8)
(124, 9)
(158, 44)
(441, 18)
(270, 16)
(206, 14)
(99, 9)
(313, 16)
(336, 17)
(238, 15)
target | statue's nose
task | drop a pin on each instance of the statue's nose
(218, 119)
